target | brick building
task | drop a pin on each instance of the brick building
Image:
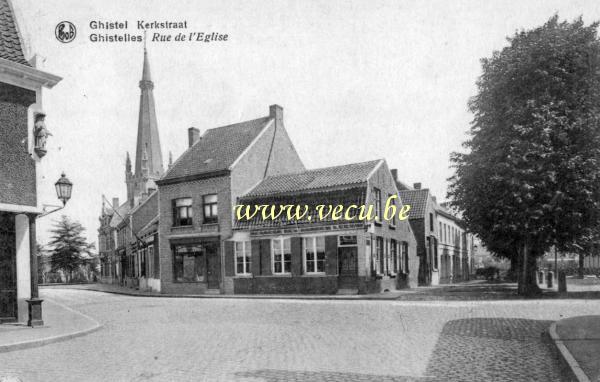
(22, 146)
(197, 194)
(330, 256)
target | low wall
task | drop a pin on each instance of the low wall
(285, 285)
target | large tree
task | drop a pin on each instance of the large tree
(70, 249)
(530, 176)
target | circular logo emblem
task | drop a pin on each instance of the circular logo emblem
(65, 31)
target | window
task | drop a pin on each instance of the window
(209, 203)
(242, 258)
(379, 254)
(150, 271)
(435, 253)
(182, 212)
(188, 263)
(344, 241)
(393, 219)
(394, 248)
(314, 254)
(431, 222)
(405, 256)
(143, 255)
(282, 256)
(377, 200)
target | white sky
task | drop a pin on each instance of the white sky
(358, 80)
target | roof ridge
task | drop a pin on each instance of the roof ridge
(321, 168)
(238, 123)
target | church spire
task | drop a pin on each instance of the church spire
(147, 137)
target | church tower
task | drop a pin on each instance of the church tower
(148, 156)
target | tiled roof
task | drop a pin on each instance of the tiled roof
(217, 149)
(417, 199)
(317, 179)
(345, 197)
(10, 44)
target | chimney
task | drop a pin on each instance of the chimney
(193, 136)
(276, 111)
(417, 186)
(394, 173)
(434, 199)
(115, 202)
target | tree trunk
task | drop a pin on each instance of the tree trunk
(580, 270)
(528, 276)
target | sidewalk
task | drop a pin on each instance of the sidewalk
(60, 323)
(578, 342)
(471, 290)
(110, 288)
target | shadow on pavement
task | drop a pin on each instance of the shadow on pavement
(475, 349)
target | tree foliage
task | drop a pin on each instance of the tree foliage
(70, 249)
(530, 177)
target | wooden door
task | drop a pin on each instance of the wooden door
(213, 265)
(8, 268)
(348, 267)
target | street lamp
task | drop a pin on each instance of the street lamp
(63, 189)
(63, 192)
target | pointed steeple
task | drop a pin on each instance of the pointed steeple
(147, 137)
(128, 164)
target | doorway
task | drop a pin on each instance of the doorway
(8, 268)
(213, 265)
(348, 267)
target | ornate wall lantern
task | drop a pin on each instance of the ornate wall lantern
(63, 192)
(63, 189)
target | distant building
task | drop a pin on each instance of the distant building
(22, 146)
(423, 220)
(124, 256)
(455, 249)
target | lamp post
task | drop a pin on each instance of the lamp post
(63, 192)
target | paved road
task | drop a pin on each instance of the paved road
(161, 339)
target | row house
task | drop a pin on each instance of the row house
(423, 220)
(22, 145)
(313, 255)
(444, 248)
(455, 248)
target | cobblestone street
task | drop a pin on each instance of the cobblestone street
(164, 339)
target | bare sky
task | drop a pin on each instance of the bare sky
(358, 80)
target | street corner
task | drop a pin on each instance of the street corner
(61, 323)
(577, 340)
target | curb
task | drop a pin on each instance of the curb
(576, 373)
(50, 340)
